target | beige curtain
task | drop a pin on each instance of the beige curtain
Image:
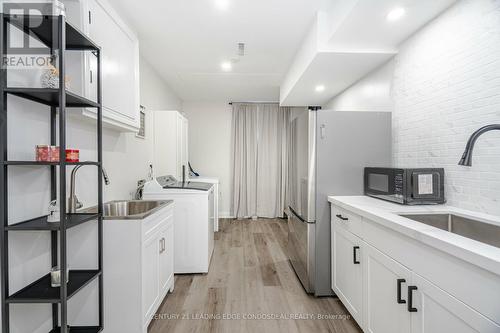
(260, 133)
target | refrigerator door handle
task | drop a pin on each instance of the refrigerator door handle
(322, 131)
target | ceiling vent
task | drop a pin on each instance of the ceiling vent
(241, 49)
(239, 54)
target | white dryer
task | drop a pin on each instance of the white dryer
(193, 220)
(215, 181)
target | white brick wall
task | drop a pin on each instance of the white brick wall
(446, 85)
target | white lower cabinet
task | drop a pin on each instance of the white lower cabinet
(385, 284)
(158, 267)
(438, 312)
(150, 276)
(139, 270)
(166, 262)
(385, 296)
(347, 271)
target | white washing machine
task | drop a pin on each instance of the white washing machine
(215, 181)
(193, 220)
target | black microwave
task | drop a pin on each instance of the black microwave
(406, 186)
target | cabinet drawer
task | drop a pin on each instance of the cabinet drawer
(347, 220)
(156, 221)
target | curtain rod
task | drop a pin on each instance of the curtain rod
(254, 102)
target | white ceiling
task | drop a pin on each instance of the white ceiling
(366, 26)
(186, 41)
(335, 71)
(353, 40)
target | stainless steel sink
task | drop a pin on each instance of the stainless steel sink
(474, 229)
(129, 209)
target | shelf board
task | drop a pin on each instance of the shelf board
(40, 291)
(50, 96)
(40, 223)
(36, 163)
(80, 329)
(46, 32)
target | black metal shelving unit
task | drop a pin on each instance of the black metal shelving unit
(57, 34)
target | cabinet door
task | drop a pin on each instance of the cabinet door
(211, 221)
(178, 146)
(185, 141)
(438, 312)
(385, 292)
(120, 64)
(182, 143)
(166, 255)
(150, 276)
(164, 142)
(347, 271)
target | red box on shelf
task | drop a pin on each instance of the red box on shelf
(72, 155)
(42, 153)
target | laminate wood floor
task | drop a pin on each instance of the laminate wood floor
(250, 287)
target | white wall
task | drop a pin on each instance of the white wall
(210, 144)
(126, 159)
(446, 85)
(371, 93)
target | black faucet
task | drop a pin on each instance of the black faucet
(467, 156)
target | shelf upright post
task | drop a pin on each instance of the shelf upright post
(53, 196)
(4, 237)
(100, 188)
(61, 43)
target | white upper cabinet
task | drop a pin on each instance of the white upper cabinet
(120, 63)
(170, 143)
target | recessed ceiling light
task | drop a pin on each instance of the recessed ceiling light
(320, 88)
(222, 4)
(226, 66)
(396, 14)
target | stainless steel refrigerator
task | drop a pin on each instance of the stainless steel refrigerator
(328, 152)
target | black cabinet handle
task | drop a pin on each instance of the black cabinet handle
(341, 217)
(354, 255)
(400, 301)
(410, 298)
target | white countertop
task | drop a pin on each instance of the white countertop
(386, 214)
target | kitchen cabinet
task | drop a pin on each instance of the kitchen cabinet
(385, 284)
(347, 271)
(211, 221)
(150, 275)
(182, 134)
(437, 311)
(399, 298)
(158, 273)
(120, 63)
(170, 143)
(138, 261)
(166, 250)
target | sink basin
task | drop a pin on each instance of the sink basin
(129, 209)
(466, 227)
